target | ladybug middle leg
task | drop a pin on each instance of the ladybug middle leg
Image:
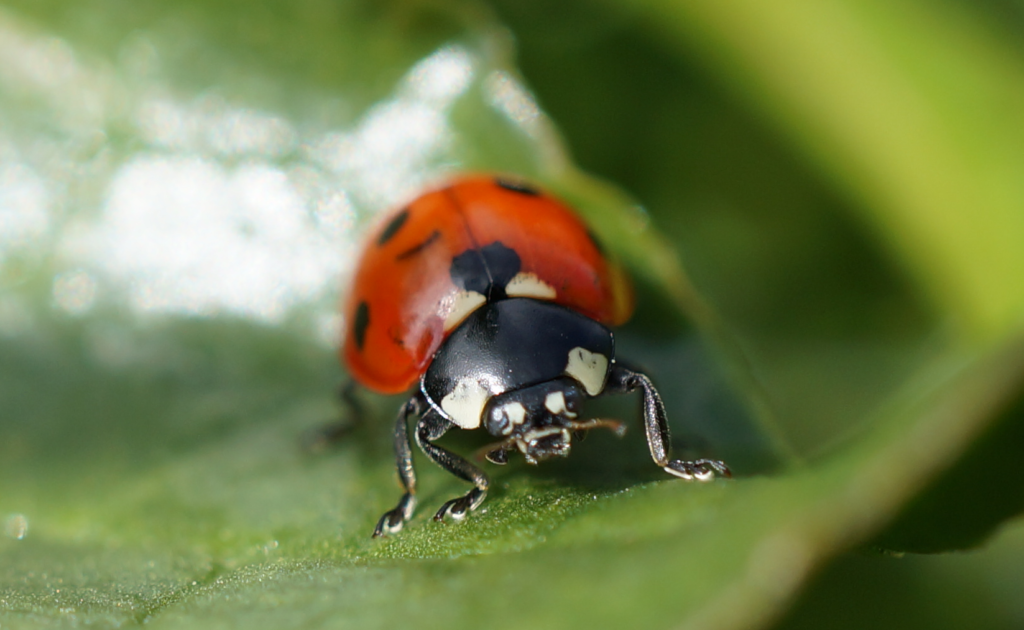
(622, 380)
(394, 519)
(431, 426)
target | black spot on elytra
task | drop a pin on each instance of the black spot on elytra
(415, 249)
(516, 186)
(392, 228)
(360, 323)
(486, 270)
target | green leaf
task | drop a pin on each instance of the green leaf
(970, 500)
(910, 108)
(183, 188)
(976, 589)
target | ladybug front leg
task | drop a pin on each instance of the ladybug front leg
(431, 427)
(393, 520)
(624, 380)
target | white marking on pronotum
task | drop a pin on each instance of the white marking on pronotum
(465, 403)
(555, 403)
(461, 305)
(529, 285)
(589, 368)
(516, 414)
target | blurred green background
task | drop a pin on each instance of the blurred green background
(822, 206)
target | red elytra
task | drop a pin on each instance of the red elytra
(403, 300)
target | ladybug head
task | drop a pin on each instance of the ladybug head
(538, 420)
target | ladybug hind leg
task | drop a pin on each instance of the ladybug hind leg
(622, 380)
(331, 433)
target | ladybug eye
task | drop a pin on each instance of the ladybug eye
(506, 417)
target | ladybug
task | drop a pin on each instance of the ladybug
(496, 302)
